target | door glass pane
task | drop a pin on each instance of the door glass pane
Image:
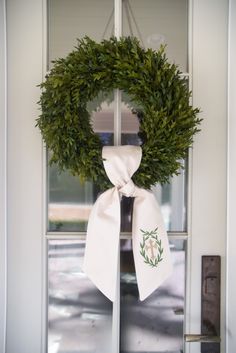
(129, 122)
(171, 197)
(153, 21)
(157, 323)
(70, 203)
(69, 200)
(79, 316)
(72, 19)
(156, 22)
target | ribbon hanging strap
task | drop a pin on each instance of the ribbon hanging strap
(149, 238)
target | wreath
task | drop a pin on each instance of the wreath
(167, 121)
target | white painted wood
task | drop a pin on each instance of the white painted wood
(3, 176)
(231, 234)
(209, 84)
(44, 210)
(117, 142)
(117, 93)
(25, 205)
(118, 18)
(24, 36)
(117, 117)
(116, 313)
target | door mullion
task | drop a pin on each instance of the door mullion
(116, 313)
(117, 117)
(117, 92)
(117, 142)
(118, 18)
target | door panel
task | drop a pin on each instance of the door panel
(157, 324)
(26, 36)
(79, 315)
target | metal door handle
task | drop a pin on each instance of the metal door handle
(202, 338)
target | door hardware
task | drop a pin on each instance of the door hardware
(202, 338)
(210, 307)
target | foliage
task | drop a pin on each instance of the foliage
(167, 120)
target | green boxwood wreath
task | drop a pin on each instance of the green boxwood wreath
(167, 120)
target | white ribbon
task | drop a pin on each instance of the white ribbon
(149, 238)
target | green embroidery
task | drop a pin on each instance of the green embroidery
(151, 248)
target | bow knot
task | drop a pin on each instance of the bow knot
(128, 189)
(149, 238)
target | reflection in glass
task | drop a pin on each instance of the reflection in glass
(156, 22)
(79, 316)
(172, 199)
(70, 203)
(156, 324)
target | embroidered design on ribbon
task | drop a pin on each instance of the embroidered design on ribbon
(151, 248)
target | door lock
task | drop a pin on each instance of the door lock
(210, 307)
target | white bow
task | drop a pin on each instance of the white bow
(149, 238)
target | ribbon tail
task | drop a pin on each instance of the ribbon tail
(150, 244)
(102, 243)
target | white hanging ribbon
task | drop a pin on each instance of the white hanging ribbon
(149, 237)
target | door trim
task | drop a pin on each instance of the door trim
(231, 188)
(3, 176)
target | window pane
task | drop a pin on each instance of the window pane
(173, 200)
(171, 197)
(69, 200)
(156, 324)
(72, 19)
(156, 22)
(79, 316)
(129, 122)
(70, 203)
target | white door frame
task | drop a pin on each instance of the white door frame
(24, 32)
(231, 192)
(3, 175)
(25, 25)
(209, 157)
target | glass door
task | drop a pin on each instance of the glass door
(80, 318)
(51, 305)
